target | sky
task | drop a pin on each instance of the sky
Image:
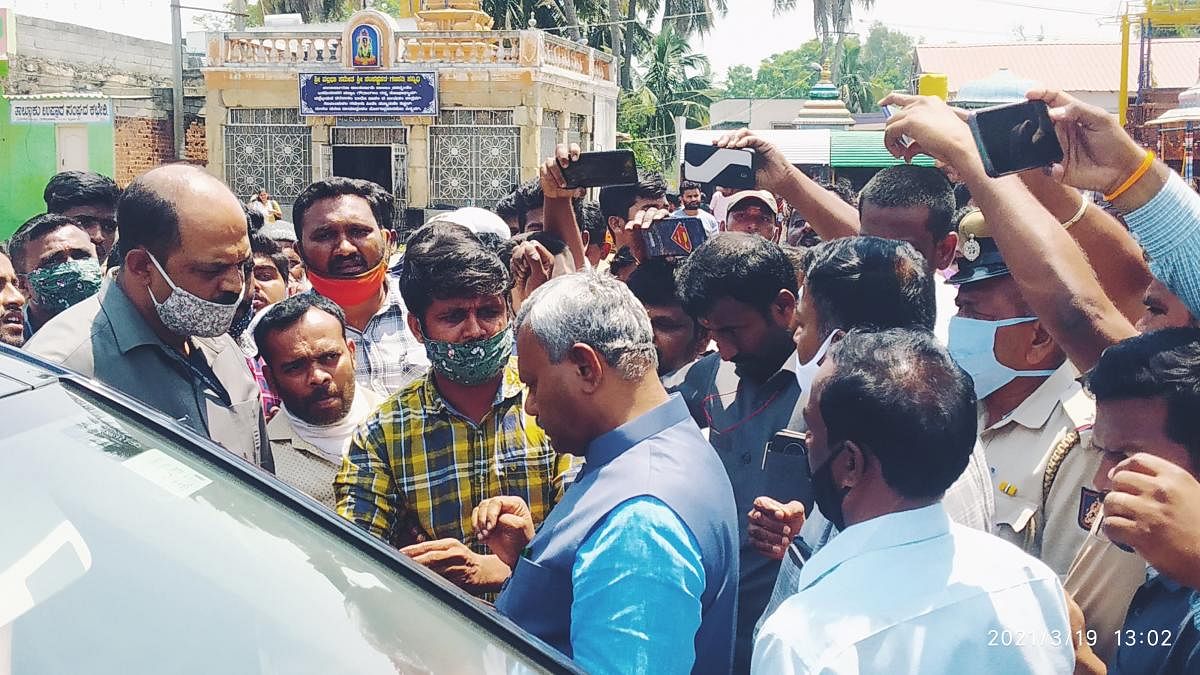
(746, 35)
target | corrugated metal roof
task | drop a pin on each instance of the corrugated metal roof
(864, 149)
(799, 146)
(58, 96)
(1066, 66)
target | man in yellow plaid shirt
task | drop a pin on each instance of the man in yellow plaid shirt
(419, 465)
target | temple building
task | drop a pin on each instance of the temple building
(439, 109)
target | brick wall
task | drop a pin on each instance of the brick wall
(197, 148)
(140, 144)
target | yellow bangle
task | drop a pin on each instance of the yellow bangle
(1147, 161)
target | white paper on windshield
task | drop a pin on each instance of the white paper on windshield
(167, 472)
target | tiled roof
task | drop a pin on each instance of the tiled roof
(1066, 66)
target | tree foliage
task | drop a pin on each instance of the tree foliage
(673, 82)
(868, 70)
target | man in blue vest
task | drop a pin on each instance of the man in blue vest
(636, 569)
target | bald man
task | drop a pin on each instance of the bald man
(157, 330)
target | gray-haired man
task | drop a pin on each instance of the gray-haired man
(649, 529)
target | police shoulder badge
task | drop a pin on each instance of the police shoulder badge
(1089, 507)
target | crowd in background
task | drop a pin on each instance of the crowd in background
(946, 424)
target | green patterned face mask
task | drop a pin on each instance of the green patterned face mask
(65, 284)
(470, 363)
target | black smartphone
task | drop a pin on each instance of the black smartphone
(1015, 137)
(724, 167)
(601, 169)
(674, 237)
(787, 443)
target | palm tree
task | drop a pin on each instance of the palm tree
(674, 82)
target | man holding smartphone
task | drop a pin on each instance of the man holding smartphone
(692, 196)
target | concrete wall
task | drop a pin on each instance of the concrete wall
(52, 56)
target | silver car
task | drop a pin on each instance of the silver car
(129, 544)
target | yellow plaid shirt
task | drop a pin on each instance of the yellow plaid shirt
(417, 468)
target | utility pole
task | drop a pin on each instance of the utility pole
(177, 68)
(239, 15)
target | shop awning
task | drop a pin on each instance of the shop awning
(799, 146)
(864, 149)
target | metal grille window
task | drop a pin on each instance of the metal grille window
(578, 133)
(550, 122)
(268, 148)
(474, 157)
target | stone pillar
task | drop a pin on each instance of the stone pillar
(419, 152)
(528, 119)
(215, 114)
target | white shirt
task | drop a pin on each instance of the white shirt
(911, 592)
(707, 219)
(944, 295)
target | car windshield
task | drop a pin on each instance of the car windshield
(124, 553)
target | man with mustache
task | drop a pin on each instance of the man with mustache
(158, 329)
(12, 305)
(343, 238)
(310, 365)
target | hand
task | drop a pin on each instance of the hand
(1086, 661)
(506, 526)
(554, 186)
(271, 413)
(936, 130)
(635, 229)
(1097, 153)
(1154, 506)
(531, 266)
(460, 565)
(774, 171)
(773, 526)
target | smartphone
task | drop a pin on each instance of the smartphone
(888, 112)
(1015, 137)
(601, 169)
(674, 237)
(786, 443)
(726, 167)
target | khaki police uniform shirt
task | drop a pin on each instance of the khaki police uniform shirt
(1100, 577)
(1018, 449)
(105, 338)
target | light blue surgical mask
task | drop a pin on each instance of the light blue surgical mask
(973, 346)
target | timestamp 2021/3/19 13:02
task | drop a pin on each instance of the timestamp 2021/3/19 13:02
(1054, 638)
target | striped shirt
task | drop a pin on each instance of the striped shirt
(388, 357)
(417, 468)
(1168, 228)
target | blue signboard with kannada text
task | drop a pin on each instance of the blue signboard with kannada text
(383, 94)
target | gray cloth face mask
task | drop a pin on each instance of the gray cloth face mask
(188, 315)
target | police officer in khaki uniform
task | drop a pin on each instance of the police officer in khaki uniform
(1035, 419)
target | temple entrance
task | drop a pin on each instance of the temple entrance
(369, 162)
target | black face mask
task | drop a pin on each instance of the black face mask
(828, 497)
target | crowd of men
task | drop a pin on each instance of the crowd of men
(953, 431)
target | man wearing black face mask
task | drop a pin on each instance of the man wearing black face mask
(866, 596)
(158, 329)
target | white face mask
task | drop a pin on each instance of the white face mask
(807, 372)
(188, 315)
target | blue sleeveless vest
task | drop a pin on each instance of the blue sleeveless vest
(662, 455)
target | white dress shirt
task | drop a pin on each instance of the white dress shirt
(911, 592)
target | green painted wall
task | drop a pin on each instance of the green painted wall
(28, 158)
(27, 161)
(100, 149)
